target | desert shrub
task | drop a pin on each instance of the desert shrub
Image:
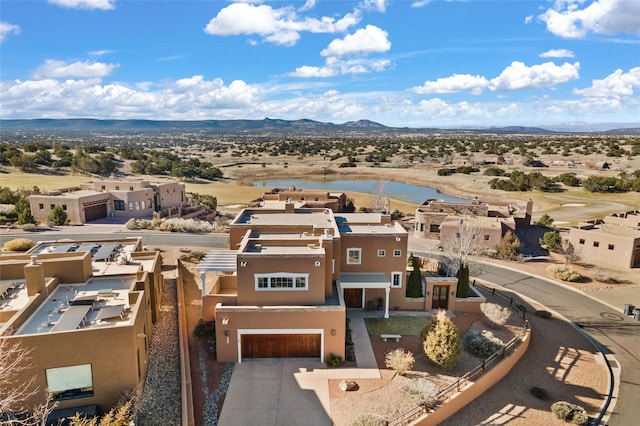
(334, 361)
(603, 275)
(399, 360)
(421, 391)
(3, 219)
(205, 329)
(564, 273)
(131, 224)
(120, 415)
(28, 227)
(543, 314)
(369, 419)
(481, 343)
(185, 225)
(193, 257)
(539, 393)
(495, 314)
(19, 244)
(443, 345)
(570, 413)
(508, 247)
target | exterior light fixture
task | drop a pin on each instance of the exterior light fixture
(225, 321)
(333, 331)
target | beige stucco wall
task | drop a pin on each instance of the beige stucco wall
(624, 252)
(170, 194)
(279, 318)
(68, 267)
(42, 205)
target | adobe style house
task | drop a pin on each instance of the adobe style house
(84, 310)
(309, 198)
(283, 288)
(126, 198)
(438, 219)
(614, 240)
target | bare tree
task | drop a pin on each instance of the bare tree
(461, 248)
(379, 201)
(15, 392)
(568, 251)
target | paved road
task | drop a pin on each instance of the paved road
(617, 333)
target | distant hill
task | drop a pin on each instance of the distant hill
(278, 125)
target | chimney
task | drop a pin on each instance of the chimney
(289, 207)
(34, 276)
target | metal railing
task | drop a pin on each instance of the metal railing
(408, 416)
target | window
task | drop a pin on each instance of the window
(581, 241)
(70, 382)
(137, 205)
(53, 206)
(282, 281)
(144, 207)
(131, 188)
(596, 243)
(354, 256)
(396, 279)
(611, 247)
(397, 253)
(41, 206)
(131, 205)
(118, 205)
(434, 227)
(486, 237)
(382, 253)
(117, 188)
(104, 187)
(64, 207)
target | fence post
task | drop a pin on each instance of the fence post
(493, 291)
(510, 301)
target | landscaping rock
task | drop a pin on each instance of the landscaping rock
(348, 386)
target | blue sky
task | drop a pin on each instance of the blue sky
(398, 62)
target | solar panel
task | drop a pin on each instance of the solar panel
(105, 252)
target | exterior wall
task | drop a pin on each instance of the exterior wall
(488, 236)
(279, 318)
(170, 194)
(68, 267)
(623, 254)
(155, 281)
(112, 353)
(138, 203)
(109, 185)
(257, 263)
(42, 205)
(370, 261)
(629, 219)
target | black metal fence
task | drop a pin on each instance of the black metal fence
(479, 370)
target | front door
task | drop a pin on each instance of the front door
(440, 297)
(353, 297)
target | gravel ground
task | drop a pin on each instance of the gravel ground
(160, 401)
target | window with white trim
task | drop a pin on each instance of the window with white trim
(396, 279)
(382, 253)
(354, 256)
(397, 253)
(70, 382)
(282, 281)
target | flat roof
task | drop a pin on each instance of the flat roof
(372, 228)
(13, 295)
(613, 229)
(275, 248)
(318, 218)
(78, 193)
(78, 306)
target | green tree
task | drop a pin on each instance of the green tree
(545, 221)
(463, 281)
(414, 282)
(23, 209)
(58, 216)
(443, 344)
(551, 240)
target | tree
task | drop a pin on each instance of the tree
(379, 199)
(414, 283)
(568, 251)
(58, 216)
(23, 209)
(546, 221)
(15, 391)
(443, 344)
(462, 248)
(509, 246)
(399, 360)
(551, 240)
(463, 281)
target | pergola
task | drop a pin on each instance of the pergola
(217, 261)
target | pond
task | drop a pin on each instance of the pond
(394, 190)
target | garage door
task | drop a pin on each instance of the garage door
(95, 212)
(281, 346)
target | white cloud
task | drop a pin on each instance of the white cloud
(101, 52)
(619, 84)
(528, 19)
(455, 83)
(308, 5)
(85, 69)
(557, 53)
(85, 4)
(567, 19)
(7, 29)
(335, 66)
(365, 40)
(420, 3)
(378, 5)
(280, 26)
(519, 76)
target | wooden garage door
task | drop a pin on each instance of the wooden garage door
(95, 212)
(281, 346)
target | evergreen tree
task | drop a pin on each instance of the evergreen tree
(414, 283)
(58, 216)
(463, 281)
(443, 344)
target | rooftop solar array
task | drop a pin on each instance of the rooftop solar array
(105, 252)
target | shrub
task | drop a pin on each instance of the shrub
(481, 343)
(369, 419)
(334, 361)
(19, 244)
(3, 219)
(463, 289)
(539, 393)
(205, 329)
(193, 257)
(551, 240)
(28, 227)
(421, 391)
(443, 345)
(495, 314)
(543, 314)
(570, 413)
(545, 221)
(508, 247)
(131, 224)
(414, 282)
(564, 273)
(58, 216)
(399, 360)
